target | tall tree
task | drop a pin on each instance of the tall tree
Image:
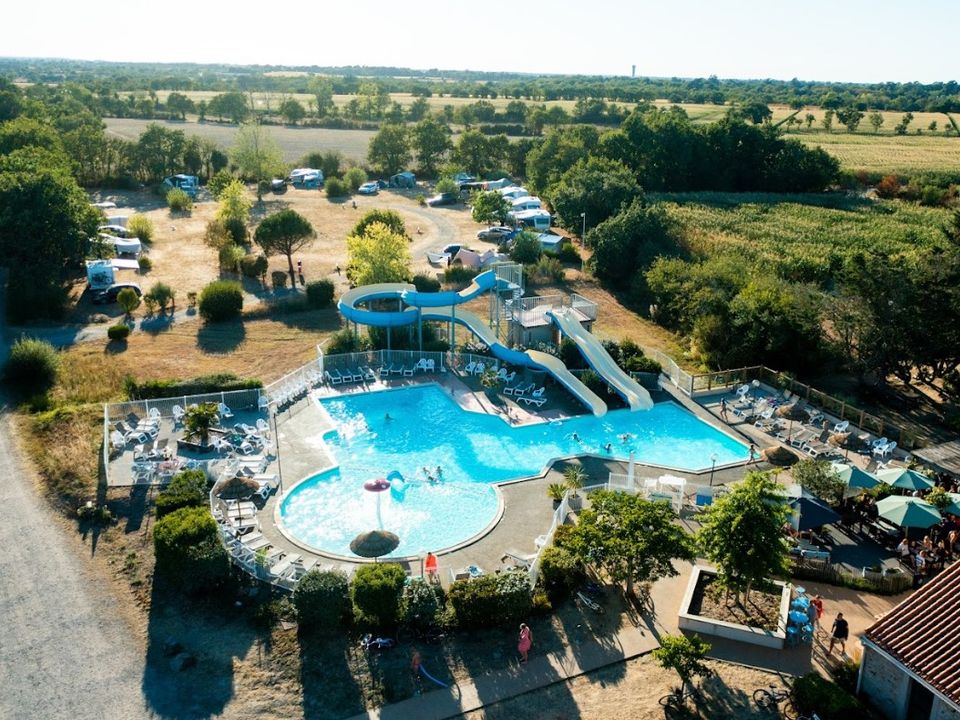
(257, 155)
(285, 233)
(179, 104)
(390, 149)
(378, 255)
(431, 142)
(876, 120)
(684, 655)
(292, 111)
(322, 90)
(633, 539)
(742, 532)
(596, 186)
(489, 207)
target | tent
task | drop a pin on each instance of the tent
(403, 180)
(809, 511)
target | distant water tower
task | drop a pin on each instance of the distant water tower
(633, 71)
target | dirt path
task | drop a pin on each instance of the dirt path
(65, 652)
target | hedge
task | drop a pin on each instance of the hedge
(320, 293)
(560, 573)
(321, 599)
(375, 593)
(221, 300)
(813, 693)
(154, 389)
(187, 489)
(32, 366)
(421, 604)
(189, 554)
(501, 599)
(118, 331)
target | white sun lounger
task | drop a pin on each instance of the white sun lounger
(408, 371)
(385, 370)
(471, 366)
(396, 369)
(539, 402)
(283, 566)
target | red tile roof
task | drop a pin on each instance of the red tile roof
(923, 633)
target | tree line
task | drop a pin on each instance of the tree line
(347, 80)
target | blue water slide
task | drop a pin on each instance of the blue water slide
(481, 283)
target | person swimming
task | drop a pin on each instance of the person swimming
(608, 447)
(575, 436)
(625, 438)
(439, 472)
(387, 417)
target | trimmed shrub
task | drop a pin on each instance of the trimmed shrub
(354, 178)
(230, 256)
(179, 201)
(319, 293)
(526, 248)
(459, 274)
(336, 188)
(152, 389)
(237, 229)
(32, 366)
(217, 235)
(426, 283)
(161, 293)
(189, 554)
(221, 300)
(219, 181)
(501, 599)
(322, 599)
(187, 489)
(595, 383)
(140, 226)
(548, 269)
(118, 331)
(421, 604)
(813, 693)
(128, 300)
(278, 279)
(145, 264)
(254, 266)
(344, 341)
(375, 594)
(642, 364)
(560, 573)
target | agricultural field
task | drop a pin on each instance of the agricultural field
(887, 153)
(805, 234)
(294, 141)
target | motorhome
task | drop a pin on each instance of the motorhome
(535, 218)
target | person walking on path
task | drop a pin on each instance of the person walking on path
(723, 409)
(840, 632)
(817, 603)
(525, 642)
(753, 454)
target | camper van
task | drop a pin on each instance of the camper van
(536, 219)
(526, 203)
(513, 192)
(307, 178)
(190, 184)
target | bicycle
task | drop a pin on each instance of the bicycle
(771, 697)
(677, 698)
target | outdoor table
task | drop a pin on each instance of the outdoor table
(801, 603)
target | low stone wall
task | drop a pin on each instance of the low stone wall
(719, 628)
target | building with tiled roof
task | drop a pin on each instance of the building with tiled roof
(911, 657)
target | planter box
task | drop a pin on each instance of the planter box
(719, 628)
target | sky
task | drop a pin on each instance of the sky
(835, 40)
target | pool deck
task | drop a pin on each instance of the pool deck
(528, 512)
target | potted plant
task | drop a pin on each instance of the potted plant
(490, 382)
(556, 491)
(575, 477)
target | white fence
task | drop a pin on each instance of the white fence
(234, 399)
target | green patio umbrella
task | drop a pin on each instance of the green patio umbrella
(854, 478)
(905, 479)
(908, 512)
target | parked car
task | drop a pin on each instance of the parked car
(109, 295)
(449, 198)
(278, 185)
(497, 233)
(369, 188)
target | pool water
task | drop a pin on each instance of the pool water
(416, 430)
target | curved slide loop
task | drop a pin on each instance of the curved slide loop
(600, 361)
(442, 306)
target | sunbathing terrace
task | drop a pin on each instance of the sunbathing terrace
(276, 442)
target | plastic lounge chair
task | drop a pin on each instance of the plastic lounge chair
(224, 411)
(263, 426)
(408, 371)
(397, 369)
(385, 370)
(510, 377)
(471, 366)
(263, 402)
(283, 566)
(841, 426)
(336, 377)
(358, 374)
(479, 369)
(799, 438)
(117, 440)
(520, 559)
(538, 393)
(884, 451)
(154, 414)
(368, 374)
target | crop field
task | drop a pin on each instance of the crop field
(803, 236)
(294, 141)
(896, 154)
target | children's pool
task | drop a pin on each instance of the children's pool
(417, 430)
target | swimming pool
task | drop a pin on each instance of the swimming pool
(416, 430)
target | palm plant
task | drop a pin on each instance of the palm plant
(575, 478)
(199, 419)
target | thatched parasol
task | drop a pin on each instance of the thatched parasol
(236, 488)
(374, 543)
(791, 412)
(779, 456)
